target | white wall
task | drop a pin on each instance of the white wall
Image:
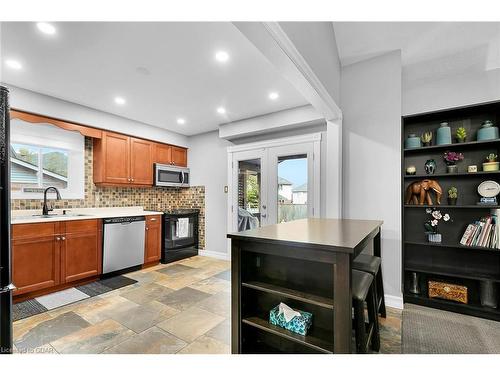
(49, 106)
(208, 164)
(371, 105)
(451, 91)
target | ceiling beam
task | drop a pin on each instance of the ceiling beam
(277, 47)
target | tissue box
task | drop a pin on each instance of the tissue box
(299, 324)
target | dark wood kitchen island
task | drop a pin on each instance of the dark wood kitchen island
(305, 264)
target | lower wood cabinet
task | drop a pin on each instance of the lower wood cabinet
(46, 255)
(152, 251)
(81, 250)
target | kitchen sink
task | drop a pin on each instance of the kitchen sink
(57, 215)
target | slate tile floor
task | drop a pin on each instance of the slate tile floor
(146, 317)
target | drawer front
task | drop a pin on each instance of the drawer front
(77, 226)
(34, 230)
(153, 220)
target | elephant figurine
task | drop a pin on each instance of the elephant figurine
(422, 190)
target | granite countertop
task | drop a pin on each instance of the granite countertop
(26, 216)
(327, 234)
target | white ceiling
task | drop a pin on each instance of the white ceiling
(418, 41)
(163, 70)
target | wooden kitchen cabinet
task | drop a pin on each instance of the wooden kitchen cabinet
(81, 250)
(48, 255)
(122, 160)
(112, 159)
(152, 251)
(141, 162)
(179, 156)
(36, 258)
(163, 154)
(170, 155)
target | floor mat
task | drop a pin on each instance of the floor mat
(64, 297)
(432, 331)
(25, 309)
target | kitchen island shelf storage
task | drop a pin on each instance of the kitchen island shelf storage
(305, 264)
(449, 261)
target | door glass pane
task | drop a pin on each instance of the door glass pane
(249, 184)
(292, 187)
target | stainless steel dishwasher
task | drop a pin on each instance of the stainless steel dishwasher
(123, 245)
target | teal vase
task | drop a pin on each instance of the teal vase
(412, 141)
(487, 131)
(443, 134)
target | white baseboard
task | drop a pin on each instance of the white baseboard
(214, 254)
(394, 301)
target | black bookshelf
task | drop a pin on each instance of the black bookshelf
(449, 261)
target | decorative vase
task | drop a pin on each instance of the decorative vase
(434, 237)
(487, 131)
(430, 166)
(452, 201)
(491, 166)
(443, 134)
(414, 283)
(412, 141)
(453, 168)
(489, 294)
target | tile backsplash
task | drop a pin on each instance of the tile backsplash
(154, 199)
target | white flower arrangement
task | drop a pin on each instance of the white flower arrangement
(431, 225)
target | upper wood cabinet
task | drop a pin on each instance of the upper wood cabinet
(172, 155)
(163, 154)
(179, 156)
(122, 160)
(141, 162)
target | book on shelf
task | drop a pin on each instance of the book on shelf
(483, 233)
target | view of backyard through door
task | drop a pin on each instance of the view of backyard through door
(274, 183)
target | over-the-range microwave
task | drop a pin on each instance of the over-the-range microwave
(169, 175)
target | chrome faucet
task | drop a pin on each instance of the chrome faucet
(46, 209)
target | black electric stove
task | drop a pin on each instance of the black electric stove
(180, 234)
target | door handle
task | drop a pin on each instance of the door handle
(58, 238)
(63, 238)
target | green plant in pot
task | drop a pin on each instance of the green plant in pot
(461, 134)
(491, 164)
(452, 196)
(426, 138)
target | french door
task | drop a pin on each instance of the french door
(275, 183)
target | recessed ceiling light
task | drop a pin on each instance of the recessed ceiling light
(221, 110)
(13, 64)
(181, 121)
(222, 56)
(273, 95)
(120, 101)
(46, 28)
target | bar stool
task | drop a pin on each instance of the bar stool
(372, 265)
(363, 290)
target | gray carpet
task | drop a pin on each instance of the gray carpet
(432, 331)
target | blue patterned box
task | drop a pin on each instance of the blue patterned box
(299, 324)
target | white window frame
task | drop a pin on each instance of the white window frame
(46, 135)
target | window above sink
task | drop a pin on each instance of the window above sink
(43, 155)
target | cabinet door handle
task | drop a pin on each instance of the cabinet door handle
(147, 228)
(63, 238)
(132, 179)
(58, 238)
(153, 219)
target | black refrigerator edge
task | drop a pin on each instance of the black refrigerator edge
(6, 286)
